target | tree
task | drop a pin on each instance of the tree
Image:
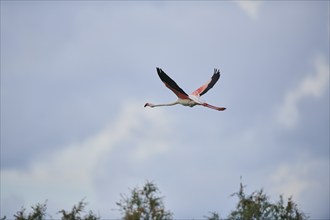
(258, 206)
(39, 213)
(144, 204)
(75, 213)
(214, 216)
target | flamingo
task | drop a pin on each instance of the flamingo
(183, 98)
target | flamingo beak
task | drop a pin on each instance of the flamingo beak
(147, 104)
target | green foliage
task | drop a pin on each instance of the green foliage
(144, 204)
(257, 206)
(214, 216)
(38, 213)
(76, 211)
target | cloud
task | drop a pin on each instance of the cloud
(290, 179)
(252, 8)
(310, 86)
(307, 180)
(66, 176)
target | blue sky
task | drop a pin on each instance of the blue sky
(75, 76)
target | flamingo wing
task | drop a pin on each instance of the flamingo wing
(169, 83)
(207, 86)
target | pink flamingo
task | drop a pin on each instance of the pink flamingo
(183, 98)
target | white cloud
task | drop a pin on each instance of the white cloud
(307, 180)
(310, 86)
(67, 175)
(290, 179)
(250, 7)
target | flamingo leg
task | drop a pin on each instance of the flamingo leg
(214, 107)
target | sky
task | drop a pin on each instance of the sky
(75, 76)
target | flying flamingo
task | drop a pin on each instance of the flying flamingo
(183, 98)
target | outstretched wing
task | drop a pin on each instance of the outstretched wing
(169, 83)
(207, 86)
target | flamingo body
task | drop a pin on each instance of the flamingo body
(183, 98)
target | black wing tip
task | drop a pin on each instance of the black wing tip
(216, 73)
(160, 72)
(162, 75)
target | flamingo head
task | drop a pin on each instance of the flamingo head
(148, 104)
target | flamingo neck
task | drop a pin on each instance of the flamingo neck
(165, 104)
